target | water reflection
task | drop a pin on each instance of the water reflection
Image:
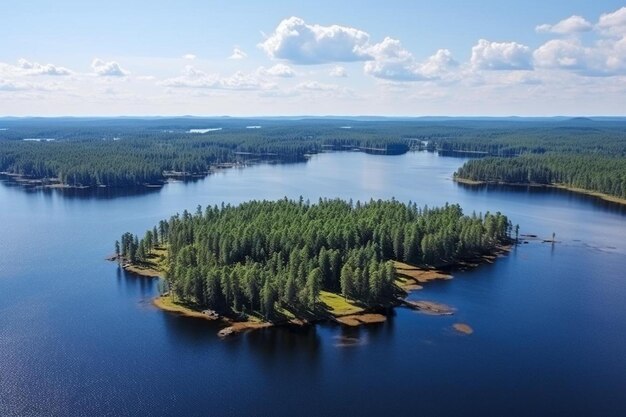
(298, 344)
(133, 283)
(533, 192)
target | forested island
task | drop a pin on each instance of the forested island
(285, 261)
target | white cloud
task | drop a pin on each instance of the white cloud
(606, 57)
(613, 24)
(238, 54)
(9, 85)
(393, 62)
(562, 53)
(573, 24)
(195, 78)
(278, 70)
(500, 56)
(438, 64)
(28, 68)
(338, 72)
(316, 86)
(301, 43)
(13, 85)
(108, 69)
(34, 68)
(189, 57)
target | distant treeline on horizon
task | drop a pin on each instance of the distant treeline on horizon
(123, 152)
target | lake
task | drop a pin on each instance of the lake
(79, 337)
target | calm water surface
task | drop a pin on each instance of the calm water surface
(78, 337)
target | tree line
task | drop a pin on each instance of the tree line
(601, 173)
(265, 256)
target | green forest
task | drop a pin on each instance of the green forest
(128, 152)
(583, 154)
(268, 257)
(135, 152)
(600, 173)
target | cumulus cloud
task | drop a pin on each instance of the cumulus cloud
(302, 43)
(500, 56)
(562, 53)
(614, 23)
(391, 61)
(605, 57)
(34, 68)
(238, 54)
(195, 78)
(338, 72)
(573, 24)
(25, 67)
(189, 57)
(108, 69)
(278, 70)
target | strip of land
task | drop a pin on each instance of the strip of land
(602, 196)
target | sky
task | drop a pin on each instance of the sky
(271, 58)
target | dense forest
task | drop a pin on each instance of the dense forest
(270, 256)
(582, 154)
(124, 152)
(600, 173)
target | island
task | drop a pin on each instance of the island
(263, 263)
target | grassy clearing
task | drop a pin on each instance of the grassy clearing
(167, 303)
(337, 305)
(155, 264)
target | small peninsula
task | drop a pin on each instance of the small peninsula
(275, 262)
(601, 176)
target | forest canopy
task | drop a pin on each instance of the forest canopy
(272, 256)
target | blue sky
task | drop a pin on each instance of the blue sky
(241, 58)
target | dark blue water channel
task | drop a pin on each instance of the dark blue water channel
(78, 337)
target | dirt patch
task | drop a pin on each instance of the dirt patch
(463, 328)
(430, 307)
(242, 326)
(360, 319)
(411, 277)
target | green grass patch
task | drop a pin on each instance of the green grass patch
(337, 305)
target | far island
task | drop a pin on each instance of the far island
(273, 262)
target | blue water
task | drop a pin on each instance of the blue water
(78, 337)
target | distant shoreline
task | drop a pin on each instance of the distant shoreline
(602, 196)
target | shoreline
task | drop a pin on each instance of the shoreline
(409, 278)
(596, 194)
(168, 176)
